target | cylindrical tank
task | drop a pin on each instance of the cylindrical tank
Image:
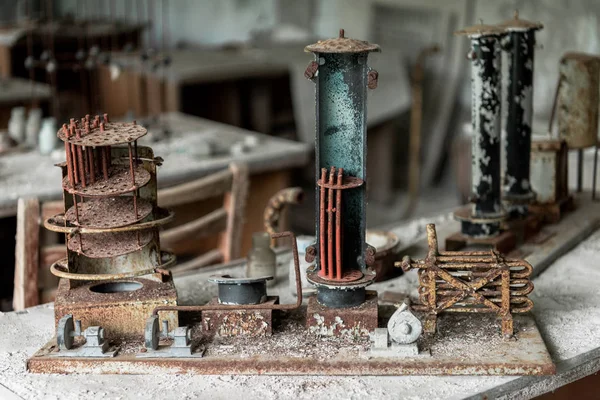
(518, 44)
(485, 55)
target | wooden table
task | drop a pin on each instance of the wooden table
(567, 310)
(270, 165)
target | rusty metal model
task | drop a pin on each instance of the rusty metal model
(342, 330)
(519, 44)
(470, 281)
(111, 223)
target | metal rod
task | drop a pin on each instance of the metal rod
(330, 225)
(74, 163)
(90, 156)
(81, 169)
(69, 164)
(322, 260)
(131, 169)
(103, 154)
(338, 226)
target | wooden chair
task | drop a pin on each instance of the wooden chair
(34, 253)
(226, 221)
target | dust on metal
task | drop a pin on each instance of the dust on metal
(470, 281)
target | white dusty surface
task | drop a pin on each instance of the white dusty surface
(32, 174)
(567, 309)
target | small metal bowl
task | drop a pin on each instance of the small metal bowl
(238, 291)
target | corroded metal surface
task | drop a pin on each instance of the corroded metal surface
(340, 156)
(277, 204)
(122, 314)
(486, 118)
(550, 179)
(103, 133)
(341, 44)
(472, 282)
(118, 182)
(112, 213)
(109, 244)
(284, 353)
(519, 45)
(239, 322)
(355, 321)
(577, 101)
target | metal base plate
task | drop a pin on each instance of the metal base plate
(474, 347)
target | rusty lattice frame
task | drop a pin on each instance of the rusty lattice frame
(470, 281)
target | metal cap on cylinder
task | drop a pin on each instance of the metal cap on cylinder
(341, 44)
(479, 30)
(516, 24)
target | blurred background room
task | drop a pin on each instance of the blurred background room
(217, 82)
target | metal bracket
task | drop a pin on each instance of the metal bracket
(181, 347)
(95, 345)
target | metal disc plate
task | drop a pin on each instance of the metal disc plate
(64, 337)
(108, 212)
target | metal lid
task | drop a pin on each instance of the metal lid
(341, 44)
(230, 280)
(476, 31)
(520, 25)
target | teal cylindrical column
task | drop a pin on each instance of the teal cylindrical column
(342, 76)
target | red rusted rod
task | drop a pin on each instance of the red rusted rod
(322, 256)
(131, 169)
(74, 163)
(338, 226)
(69, 164)
(81, 167)
(330, 225)
(106, 118)
(90, 156)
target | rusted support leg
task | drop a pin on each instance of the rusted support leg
(507, 320)
(430, 323)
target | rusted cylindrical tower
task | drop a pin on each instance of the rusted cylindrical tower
(111, 223)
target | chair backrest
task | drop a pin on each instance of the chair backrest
(226, 221)
(34, 253)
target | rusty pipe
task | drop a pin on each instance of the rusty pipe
(263, 306)
(276, 205)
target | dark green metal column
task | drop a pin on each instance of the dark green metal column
(342, 76)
